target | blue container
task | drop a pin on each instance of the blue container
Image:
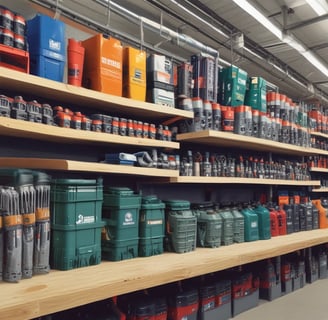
(47, 47)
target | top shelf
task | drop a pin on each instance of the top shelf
(69, 94)
(232, 140)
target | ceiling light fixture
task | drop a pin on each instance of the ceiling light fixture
(319, 6)
(260, 17)
(288, 39)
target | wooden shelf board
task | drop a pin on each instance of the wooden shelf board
(61, 290)
(232, 140)
(72, 165)
(322, 189)
(319, 134)
(25, 129)
(70, 94)
(313, 169)
(235, 180)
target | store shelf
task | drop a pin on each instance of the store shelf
(71, 165)
(323, 170)
(322, 189)
(25, 129)
(66, 289)
(232, 140)
(234, 180)
(68, 94)
(319, 134)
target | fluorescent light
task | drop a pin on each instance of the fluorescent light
(260, 17)
(319, 6)
(315, 62)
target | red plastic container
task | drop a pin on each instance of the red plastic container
(75, 55)
(282, 223)
(274, 223)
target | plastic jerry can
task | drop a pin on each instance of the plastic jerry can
(323, 213)
(103, 63)
(134, 73)
(227, 226)
(296, 209)
(289, 218)
(315, 217)
(239, 225)
(274, 223)
(282, 226)
(251, 224)
(264, 222)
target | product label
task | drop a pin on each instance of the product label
(128, 219)
(151, 222)
(110, 62)
(54, 45)
(85, 219)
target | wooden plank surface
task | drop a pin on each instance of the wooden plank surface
(232, 140)
(66, 289)
(39, 131)
(70, 94)
(322, 189)
(319, 170)
(71, 165)
(235, 180)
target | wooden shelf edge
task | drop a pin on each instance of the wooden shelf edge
(235, 180)
(44, 294)
(323, 189)
(319, 134)
(20, 128)
(31, 83)
(318, 169)
(72, 165)
(219, 137)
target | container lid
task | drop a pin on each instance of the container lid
(122, 191)
(177, 204)
(16, 177)
(202, 205)
(41, 177)
(151, 202)
(79, 182)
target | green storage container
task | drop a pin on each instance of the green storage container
(251, 224)
(75, 246)
(151, 246)
(152, 217)
(227, 226)
(181, 226)
(16, 177)
(121, 196)
(121, 213)
(264, 222)
(76, 202)
(209, 225)
(238, 225)
(256, 94)
(232, 87)
(119, 249)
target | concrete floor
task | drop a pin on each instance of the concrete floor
(307, 303)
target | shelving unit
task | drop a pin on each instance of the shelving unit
(61, 290)
(232, 140)
(37, 131)
(69, 94)
(81, 166)
(322, 189)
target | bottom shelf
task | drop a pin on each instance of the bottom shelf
(62, 290)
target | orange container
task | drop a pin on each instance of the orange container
(103, 64)
(134, 73)
(75, 59)
(323, 214)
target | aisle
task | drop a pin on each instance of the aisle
(307, 303)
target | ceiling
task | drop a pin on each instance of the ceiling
(219, 26)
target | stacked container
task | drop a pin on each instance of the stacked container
(47, 47)
(134, 73)
(181, 225)
(209, 225)
(76, 223)
(251, 224)
(151, 226)
(103, 64)
(238, 226)
(121, 214)
(227, 226)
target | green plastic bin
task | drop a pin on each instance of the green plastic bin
(117, 250)
(264, 222)
(151, 246)
(152, 217)
(75, 246)
(238, 225)
(76, 202)
(121, 213)
(251, 224)
(181, 226)
(227, 226)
